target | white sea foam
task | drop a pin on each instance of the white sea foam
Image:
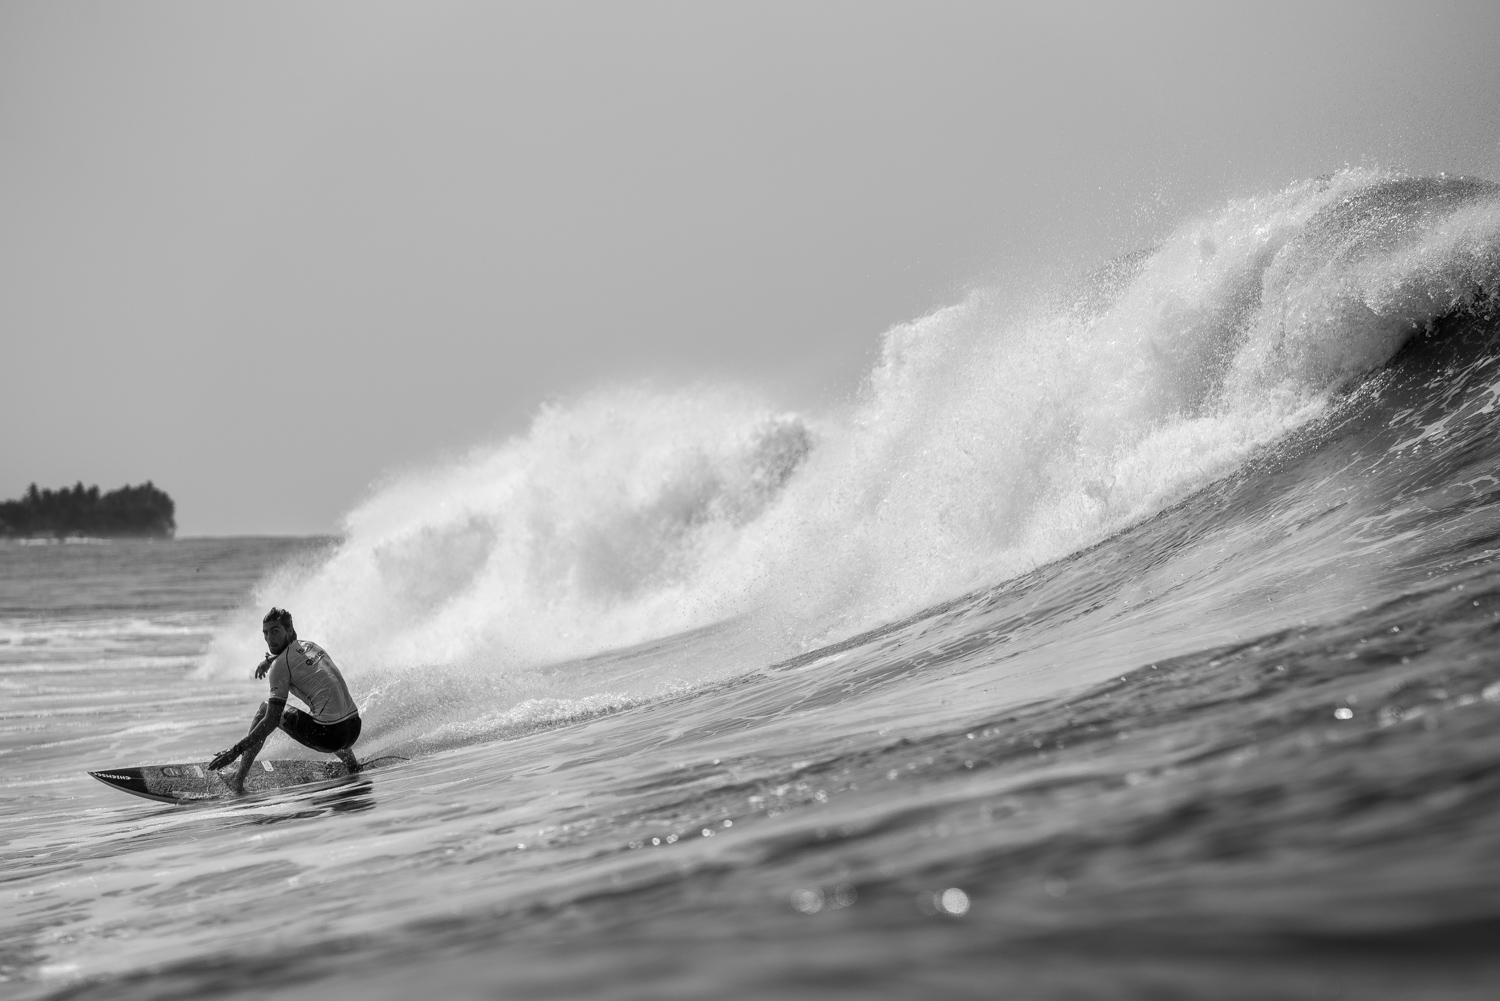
(988, 439)
(81, 643)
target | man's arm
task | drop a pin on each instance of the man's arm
(266, 721)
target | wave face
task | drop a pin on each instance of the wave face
(991, 437)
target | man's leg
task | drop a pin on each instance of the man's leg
(349, 734)
(320, 737)
(349, 760)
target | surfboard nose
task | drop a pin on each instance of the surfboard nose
(129, 779)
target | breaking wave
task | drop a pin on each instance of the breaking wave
(990, 438)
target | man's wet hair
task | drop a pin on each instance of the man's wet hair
(279, 615)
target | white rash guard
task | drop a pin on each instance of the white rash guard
(305, 670)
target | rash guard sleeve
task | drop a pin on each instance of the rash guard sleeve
(281, 678)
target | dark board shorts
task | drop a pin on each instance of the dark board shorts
(325, 737)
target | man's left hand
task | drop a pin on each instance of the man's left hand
(262, 668)
(225, 756)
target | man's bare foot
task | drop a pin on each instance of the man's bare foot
(350, 762)
(236, 780)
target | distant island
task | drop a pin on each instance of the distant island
(133, 512)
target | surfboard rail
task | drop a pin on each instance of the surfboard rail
(193, 782)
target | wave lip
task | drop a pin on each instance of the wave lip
(1367, 271)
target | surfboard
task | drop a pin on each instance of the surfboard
(192, 783)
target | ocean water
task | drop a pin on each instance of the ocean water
(1134, 638)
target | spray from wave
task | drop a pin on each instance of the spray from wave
(988, 439)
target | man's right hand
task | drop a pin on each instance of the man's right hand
(263, 667)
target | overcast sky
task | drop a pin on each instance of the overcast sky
(265, 253)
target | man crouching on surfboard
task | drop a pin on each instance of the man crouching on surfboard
(304, 669)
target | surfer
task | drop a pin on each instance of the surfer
(304, 669)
